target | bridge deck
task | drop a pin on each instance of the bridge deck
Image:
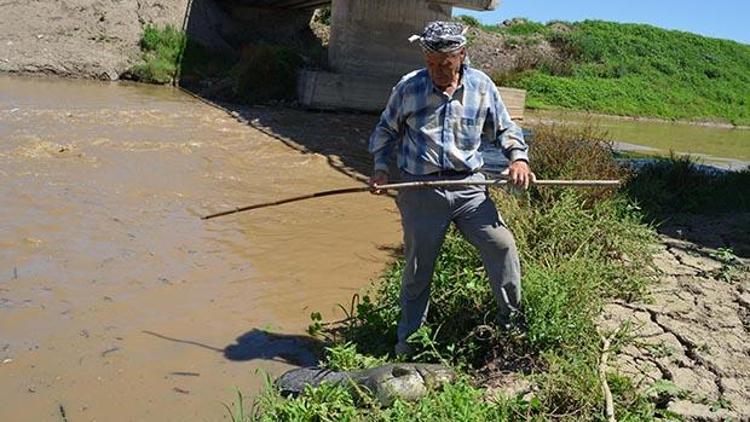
(306, 4)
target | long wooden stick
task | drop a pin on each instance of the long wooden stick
(411, 185)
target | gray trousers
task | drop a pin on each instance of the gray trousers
(426, 214)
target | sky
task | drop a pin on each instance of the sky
(728, 19)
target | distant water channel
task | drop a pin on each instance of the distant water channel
(722, 147)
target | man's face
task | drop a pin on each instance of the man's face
(443, 67)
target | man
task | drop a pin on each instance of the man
(437, 117)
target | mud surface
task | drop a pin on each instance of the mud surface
(116, 301)
(81, 38)
(691, 347)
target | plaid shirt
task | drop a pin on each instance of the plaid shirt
(435, 131)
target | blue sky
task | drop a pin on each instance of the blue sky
(729, 19)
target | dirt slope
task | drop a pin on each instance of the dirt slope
(78, 38)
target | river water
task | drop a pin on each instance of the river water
(117, 302)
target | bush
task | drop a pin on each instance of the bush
(162, 49)
(470, 21)
(678, 185)
(266, 72)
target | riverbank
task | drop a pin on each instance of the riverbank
(521, 381)
(78, 38)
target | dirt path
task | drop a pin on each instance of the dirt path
(692, 335)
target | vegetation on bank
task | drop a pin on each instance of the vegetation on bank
(162, 50)
(579, 249)
(629, 69)
(677, 185)
(605, 67)
(259, 72)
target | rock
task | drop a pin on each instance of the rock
(406, 381)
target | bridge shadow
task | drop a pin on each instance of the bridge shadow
(220, 35)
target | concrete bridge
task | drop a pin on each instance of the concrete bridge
(368, 50)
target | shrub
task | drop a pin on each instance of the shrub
(162, 49)
(677, 184)
(266, 72)
(469, 21)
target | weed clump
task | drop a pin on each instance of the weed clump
(266, 72)
(162, 49)
(678, 184)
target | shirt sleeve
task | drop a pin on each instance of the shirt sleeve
(387, 131)
(503, 131)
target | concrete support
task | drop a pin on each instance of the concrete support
(370, 37)
(369, 51)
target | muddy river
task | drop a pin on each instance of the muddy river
(116, 301)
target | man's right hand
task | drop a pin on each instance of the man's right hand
(378, 178)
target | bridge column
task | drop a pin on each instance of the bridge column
(371, 37)
(369, 51)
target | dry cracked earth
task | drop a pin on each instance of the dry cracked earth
(691, 335)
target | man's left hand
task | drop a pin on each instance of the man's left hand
(520, 174)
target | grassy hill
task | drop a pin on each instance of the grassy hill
(630, 69)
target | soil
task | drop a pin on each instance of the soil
(693, 330)
(94, 39)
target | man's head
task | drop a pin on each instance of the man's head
(444, 46)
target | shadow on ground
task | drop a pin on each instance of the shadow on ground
(257, 344)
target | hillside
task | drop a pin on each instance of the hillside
(623, 69)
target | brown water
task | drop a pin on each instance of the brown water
(116, 301)
(724, 147)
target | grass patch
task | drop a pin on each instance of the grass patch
(265, 72)
(637, 70)
(678, 185)
(577, 248)
(162, 49)
(259, 73)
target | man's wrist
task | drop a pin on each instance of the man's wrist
(517, 155)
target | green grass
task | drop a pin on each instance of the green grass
(577, 250)
(638, 70)
(677, 185)
(259, 73)
(162, 49)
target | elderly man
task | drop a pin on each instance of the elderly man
(437, 118)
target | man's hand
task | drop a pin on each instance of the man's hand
(378, 178)
(520, 174)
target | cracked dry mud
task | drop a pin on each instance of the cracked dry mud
(692, 332)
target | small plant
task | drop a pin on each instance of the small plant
(315, 327)
(470, 21)
(725, 255)
(344, 357)
(266, 72)
(237, 414)
(162, 49)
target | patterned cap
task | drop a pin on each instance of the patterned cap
(441, 37)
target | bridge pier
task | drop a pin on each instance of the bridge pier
(369, 51)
